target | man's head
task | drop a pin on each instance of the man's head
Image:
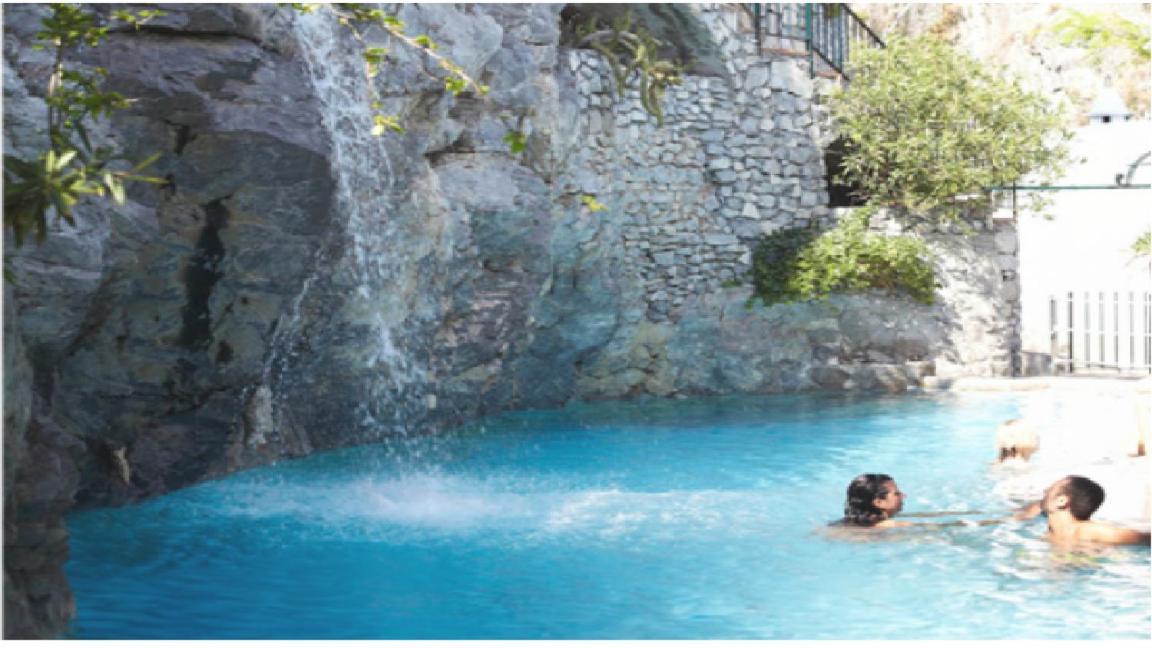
(1016, 439)
(1079, 496)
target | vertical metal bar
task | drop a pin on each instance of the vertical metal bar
(1116, 329)
(1053, 351)
(1148, 331)
(1071, 312)
(842, 38)
(817, 34)
(757, 7)
(1087, 329)
(808, 37)
(1100, 330)
(852, 30)
(1131, 329)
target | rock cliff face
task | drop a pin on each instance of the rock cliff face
(301, 285)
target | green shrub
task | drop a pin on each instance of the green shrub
(930, 129)
(802, 264)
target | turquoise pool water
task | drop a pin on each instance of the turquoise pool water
(655, 519)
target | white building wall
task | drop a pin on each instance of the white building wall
(1086, 244)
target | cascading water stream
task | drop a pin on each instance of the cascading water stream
(364, 251)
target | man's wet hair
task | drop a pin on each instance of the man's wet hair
(1084, 496)
(858, 507)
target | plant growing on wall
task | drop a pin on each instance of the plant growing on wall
(803, 263)
(72, 166)
(930, 129)
(633, 56)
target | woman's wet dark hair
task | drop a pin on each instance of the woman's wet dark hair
(858, 508)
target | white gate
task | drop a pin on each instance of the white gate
(1093, 330)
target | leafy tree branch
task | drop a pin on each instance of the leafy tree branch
(358, 18)
(72, 166)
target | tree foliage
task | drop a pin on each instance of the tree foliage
(930, 129)
(72, 166)
(1096, 32)
(804, 263)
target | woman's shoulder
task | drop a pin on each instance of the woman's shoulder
(891, 524)
(845, 523)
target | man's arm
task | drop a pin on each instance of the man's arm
(1028, 511)
(1100, 532)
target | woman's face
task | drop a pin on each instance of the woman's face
(893, 500)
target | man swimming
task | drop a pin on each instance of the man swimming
(1069, 504)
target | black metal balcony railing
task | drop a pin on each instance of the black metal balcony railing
(826, 33)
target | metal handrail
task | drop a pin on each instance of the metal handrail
(828, 32)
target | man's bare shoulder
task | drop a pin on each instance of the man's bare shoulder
(1112, 534)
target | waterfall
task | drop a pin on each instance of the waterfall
(367, 251)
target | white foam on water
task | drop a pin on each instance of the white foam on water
(425, 500)
(533, 509)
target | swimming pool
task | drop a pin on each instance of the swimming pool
(659, 519)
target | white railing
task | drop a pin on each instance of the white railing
(1092, 330)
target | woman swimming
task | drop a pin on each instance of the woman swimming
(873, 499)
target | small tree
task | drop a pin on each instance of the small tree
(930, 129)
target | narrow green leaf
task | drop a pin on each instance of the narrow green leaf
(147, 162)
(117, 191)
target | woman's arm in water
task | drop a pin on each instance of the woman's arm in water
(898, 524)
(926, 514)
(1026, 512)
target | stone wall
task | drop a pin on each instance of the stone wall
(736, 157)
(726, 342)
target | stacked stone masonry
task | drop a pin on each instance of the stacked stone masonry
(737, 157)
